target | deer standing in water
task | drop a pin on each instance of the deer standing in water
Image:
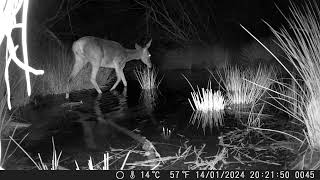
(108, 54)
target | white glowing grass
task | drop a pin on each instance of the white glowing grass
(147, 78)
(206, 100)
(241, 84)
(302, 50)
(208, 106)
(8, 13)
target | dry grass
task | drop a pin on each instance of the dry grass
(249, 147)
(209, 163)
(112, 158)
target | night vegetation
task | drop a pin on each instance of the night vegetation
(247, 71)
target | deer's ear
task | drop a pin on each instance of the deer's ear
(149, 43)
(137, 46)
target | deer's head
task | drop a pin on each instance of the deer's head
(145, 55)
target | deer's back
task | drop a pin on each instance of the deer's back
(96, 49)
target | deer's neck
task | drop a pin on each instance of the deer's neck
(133, 54)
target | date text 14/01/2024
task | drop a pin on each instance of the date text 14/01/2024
(252, 174)
(232, 174)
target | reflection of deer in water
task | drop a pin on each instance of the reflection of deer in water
(146, 144)
(108, 54)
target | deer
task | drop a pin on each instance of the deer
(108, 54)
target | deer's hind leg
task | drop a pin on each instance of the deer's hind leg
(78, 65)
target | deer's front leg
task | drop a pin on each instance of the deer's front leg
(118, 77)
(94, 73)
(123, 78)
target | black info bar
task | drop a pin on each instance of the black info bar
(164, 174)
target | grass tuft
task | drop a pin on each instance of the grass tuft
(206, 100)
(147, 78)
(208, 106)
(246, 86)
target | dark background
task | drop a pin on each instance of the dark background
(126, 21)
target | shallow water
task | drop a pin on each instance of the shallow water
(127, 116)
(74, 126)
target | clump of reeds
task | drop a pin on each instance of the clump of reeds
(147, 78)
(208, 106)
(207, 100)
(246, 86)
